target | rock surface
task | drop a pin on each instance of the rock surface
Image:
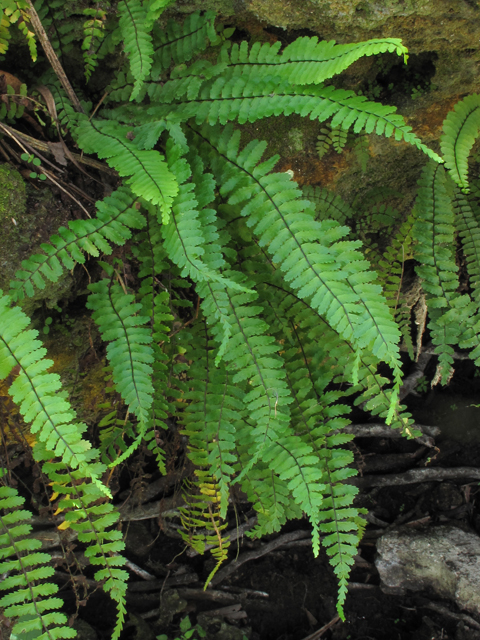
(443, 559)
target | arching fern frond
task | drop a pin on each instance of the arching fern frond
(116, 216)
(306, 60)
(25, 569)
(35, 392)
(245, 98)
(460, 130)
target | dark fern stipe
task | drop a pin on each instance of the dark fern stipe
(295, 314)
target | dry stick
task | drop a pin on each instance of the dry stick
(257, 553)
(319, 633)
(381, 430)
(413, 476)
(52, 57)
(434, 606)
(43, 146)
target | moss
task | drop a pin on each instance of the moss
(27, 219)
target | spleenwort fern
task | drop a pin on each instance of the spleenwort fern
(257, 313)
(31, 598)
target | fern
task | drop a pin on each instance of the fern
(134, 22)
(32, 599)
(281, 220)
(148, 174)
(94, 30)
(201, 520)
(178, 44)
(255, 316)
(16, 12)
(129, 352)
(116, 216)
(460, 129)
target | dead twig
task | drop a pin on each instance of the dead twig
(257, 553)
(319, 633)
(381, 430)
(416, 476)
(438, 608)
(52, 57)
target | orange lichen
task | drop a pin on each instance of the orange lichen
(427, 123)
(324, 172)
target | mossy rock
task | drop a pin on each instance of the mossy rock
(27, 219)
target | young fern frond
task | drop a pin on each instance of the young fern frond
(460, 130)
(116, 216)
(25, 569)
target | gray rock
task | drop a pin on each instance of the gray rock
(443, 559)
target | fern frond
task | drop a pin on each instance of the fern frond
(306, 60)
(460, 130)
(16, 12)
(129, 350)
(146, 171)
(93, 519)
(214, 411)
(329, 206)
(135, 26)
(450, 313)
(151, 255)
(245, 98)
(116, 216)
(32, 599)
(35, 392)
(94, 31)
(178, 44)
(469, 230)
(202, 520)
(313, 256)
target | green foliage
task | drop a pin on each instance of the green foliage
(16, 12)
(30, 596)
(94, 32)
(250, 315)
